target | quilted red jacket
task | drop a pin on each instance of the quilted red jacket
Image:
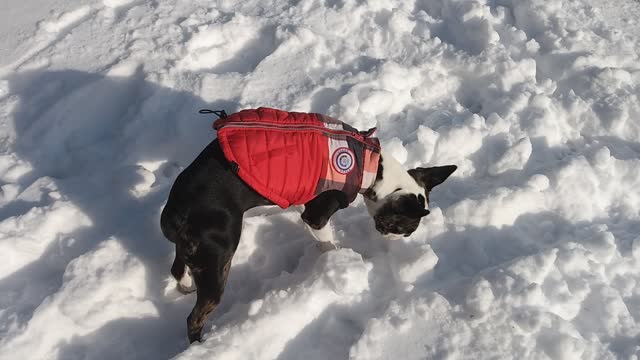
(290, 157)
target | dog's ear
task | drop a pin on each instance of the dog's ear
(418, 213)
(432, 176)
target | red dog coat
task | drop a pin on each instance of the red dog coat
(290, 158)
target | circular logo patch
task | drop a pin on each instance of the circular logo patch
(343, 160)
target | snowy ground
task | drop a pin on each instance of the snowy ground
(532, 249)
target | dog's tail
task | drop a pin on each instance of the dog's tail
(172, 223)
(177, 229)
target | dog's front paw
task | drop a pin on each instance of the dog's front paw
(193, 337)
(314, 222)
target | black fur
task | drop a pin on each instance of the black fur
(433, 176)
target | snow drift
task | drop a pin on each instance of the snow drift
(531, 249)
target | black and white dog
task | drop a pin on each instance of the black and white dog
(204, 212)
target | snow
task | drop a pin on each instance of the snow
(531, 249)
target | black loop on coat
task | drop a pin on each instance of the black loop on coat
(220, 113)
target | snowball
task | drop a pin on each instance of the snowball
(602, 158)
(538, 182)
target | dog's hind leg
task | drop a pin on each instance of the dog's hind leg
(210, 274)
(207, 245)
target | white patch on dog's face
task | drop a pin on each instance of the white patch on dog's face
(395, 178)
